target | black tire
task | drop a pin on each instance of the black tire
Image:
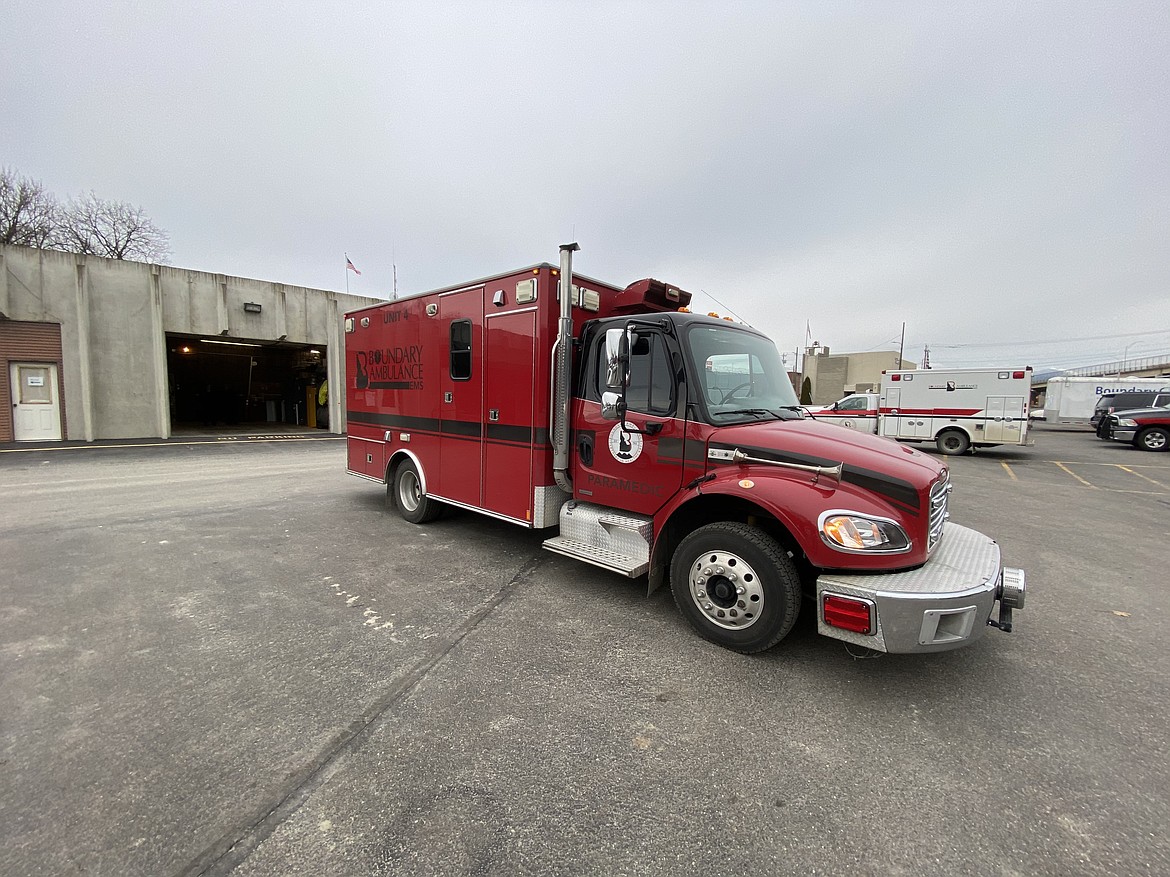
(1153, 439)
(952, 442)
(405, 491)
(736, 586)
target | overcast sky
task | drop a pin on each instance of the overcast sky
(996, 176)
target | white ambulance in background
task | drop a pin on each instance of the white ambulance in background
(957, 409)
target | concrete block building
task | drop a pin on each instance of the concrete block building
(832, 376)
(95, 348)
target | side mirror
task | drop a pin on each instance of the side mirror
(617, 374)
(618, 344)
(613, 406)
(617, 359)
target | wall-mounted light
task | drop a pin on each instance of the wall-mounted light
(251, 307)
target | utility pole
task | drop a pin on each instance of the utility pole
(902, 345)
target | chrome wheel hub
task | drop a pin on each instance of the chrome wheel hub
(726, 589)
(409, 491)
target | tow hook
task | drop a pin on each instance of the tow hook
(1012, 589)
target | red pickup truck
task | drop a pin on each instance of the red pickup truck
(1147, 428)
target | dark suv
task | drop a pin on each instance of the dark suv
(1111, 402)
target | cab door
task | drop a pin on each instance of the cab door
(635, 471)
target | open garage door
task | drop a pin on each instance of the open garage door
(235, 382)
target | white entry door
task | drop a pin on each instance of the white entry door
(36, 410)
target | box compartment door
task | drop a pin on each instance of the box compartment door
(510, 405)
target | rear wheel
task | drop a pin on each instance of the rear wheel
(1153, 439)
(736, 586)
(952, 442)
(407, 493)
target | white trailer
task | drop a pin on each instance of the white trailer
(955, 408)
(1072, 400)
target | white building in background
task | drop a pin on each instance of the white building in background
(95, 348)
(834, 376)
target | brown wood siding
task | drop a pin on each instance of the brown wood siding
(28, 342)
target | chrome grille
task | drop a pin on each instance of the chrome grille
(940, 493)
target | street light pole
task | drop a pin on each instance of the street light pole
(1125, 355)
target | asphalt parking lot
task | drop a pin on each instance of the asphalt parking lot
(230, 658)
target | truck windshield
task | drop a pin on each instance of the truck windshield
(741, 375)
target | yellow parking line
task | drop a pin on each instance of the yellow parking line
(1139, 475)
(1075, 475)
(1008, 470)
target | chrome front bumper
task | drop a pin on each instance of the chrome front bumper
(944, 604)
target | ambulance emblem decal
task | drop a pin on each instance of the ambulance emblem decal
(626, 447)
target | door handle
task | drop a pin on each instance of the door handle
(585, 449)
(653, 427)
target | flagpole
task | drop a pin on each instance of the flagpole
(346, 270)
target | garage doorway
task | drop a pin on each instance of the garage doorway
(221, 382)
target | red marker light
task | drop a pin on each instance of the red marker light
(895, 377)
(848, 614)
(1017, 375)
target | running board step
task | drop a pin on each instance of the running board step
(611, 560)
(604, 537)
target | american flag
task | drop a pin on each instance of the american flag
(352, 267)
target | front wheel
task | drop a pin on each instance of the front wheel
(1153, 439)
(736, 586)
(952, 442)
(406, 491)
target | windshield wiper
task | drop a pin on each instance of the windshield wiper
(793, 412)
(759, 412)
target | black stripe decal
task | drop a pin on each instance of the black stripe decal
(456, 428)
(503, 432)
(895, 489)
(670, 450)
(397, 421)
(461, 427)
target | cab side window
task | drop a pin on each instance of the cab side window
(651, 389)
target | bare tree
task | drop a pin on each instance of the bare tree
(28, 214)
(113, 229)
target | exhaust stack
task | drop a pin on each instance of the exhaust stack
(562, 365)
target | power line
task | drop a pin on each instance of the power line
(1055, 340)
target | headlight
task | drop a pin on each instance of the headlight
(852, 532)
(1125, 421)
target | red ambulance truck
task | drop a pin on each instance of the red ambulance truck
(655, 442)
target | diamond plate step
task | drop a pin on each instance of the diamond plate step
(611, 560)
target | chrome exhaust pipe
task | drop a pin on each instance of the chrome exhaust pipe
(562, 361)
